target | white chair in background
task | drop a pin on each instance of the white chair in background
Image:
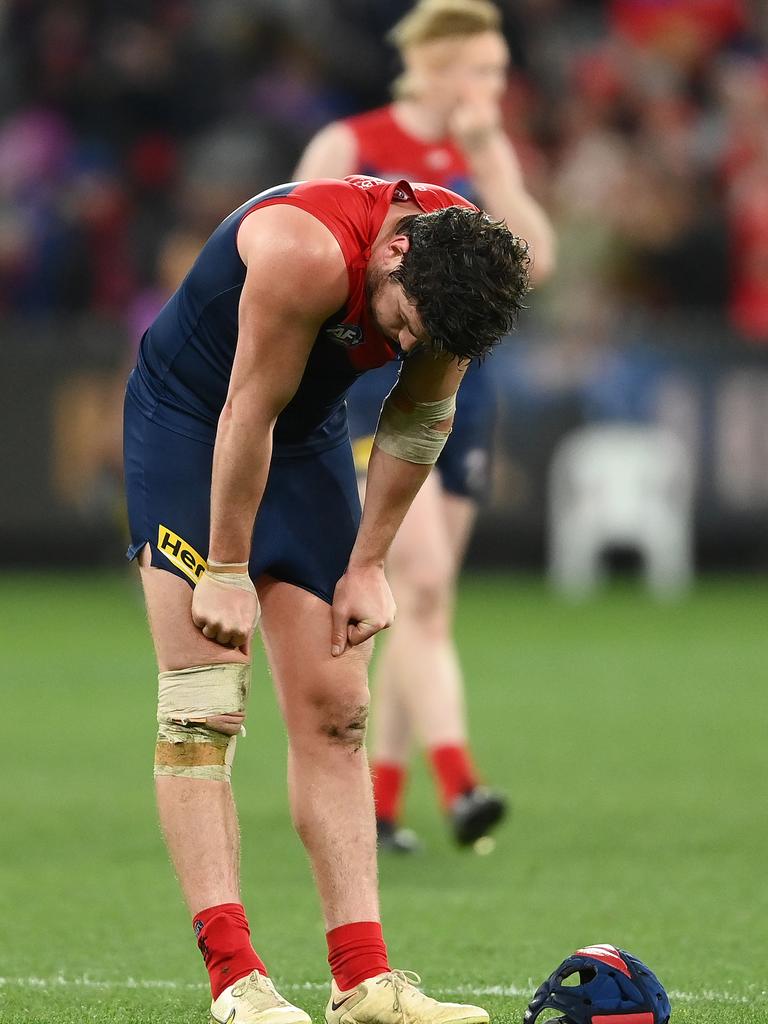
(621, 487)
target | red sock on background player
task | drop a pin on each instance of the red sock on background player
(224, 939)
(388, 785)
(454, 772)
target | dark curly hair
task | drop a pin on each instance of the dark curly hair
(467, 275)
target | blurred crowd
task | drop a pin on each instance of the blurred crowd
(127, 130)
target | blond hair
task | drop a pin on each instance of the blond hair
(441, 19)
(433, 20)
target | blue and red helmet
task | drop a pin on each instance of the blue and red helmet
(613, 987)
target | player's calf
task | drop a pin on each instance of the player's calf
(200, 712)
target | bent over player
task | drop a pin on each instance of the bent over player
(444, 126)
(242, 502)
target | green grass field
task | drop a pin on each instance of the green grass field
(632, 738)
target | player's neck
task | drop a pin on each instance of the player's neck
(394, 215)
(419, 120)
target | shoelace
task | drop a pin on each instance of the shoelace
(399, 980)
(256, 980)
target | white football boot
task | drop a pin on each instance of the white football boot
(255, 1000)
(393, 998)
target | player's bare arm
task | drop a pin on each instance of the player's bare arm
(419, 409)
(332, 153)
(498, 178)
(295, 278)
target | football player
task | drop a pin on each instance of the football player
(444, 126)
(243, 502)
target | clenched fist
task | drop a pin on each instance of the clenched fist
(225, 608)
(362, 606)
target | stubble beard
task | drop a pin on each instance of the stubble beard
(373, 287)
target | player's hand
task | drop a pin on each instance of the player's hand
(362, 606)
(226, 612)
(473, 122)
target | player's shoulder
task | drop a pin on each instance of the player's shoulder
(338, 201)
(332, 188)
(292, 259)
(318, 194)
(313, 231)
(286, 235)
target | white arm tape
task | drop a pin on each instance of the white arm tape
(411, 435)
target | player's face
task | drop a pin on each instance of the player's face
(468, 69)
(393, 312)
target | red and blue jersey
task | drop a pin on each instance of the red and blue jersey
(386, 150)
(186, 355)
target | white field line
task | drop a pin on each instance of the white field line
(85, 981)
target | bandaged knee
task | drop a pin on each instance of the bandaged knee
(411, 435)
(187, 746)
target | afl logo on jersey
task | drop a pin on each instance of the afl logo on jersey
(347, 335)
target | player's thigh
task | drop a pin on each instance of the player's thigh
(178, 642)
(421, 555)
(317, 693)
(167, 484)
(465, 462)
(460, 514)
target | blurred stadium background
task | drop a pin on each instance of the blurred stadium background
(127, 131)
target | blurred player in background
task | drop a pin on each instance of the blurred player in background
(242, 499)
(444, 126)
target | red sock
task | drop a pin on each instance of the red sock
(454, 772)
(356, 952)
(388, 782)
(224, 939)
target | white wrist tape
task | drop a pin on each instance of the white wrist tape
(411, 435)
(240, 580)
